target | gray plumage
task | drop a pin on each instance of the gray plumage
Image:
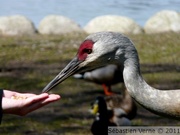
(103, 48)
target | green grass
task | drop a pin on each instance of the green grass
(27, 64)
(159, 48)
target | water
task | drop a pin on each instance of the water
(82, 11)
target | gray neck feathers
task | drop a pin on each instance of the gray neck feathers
(162, 102)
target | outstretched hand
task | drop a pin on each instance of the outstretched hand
(22, 104)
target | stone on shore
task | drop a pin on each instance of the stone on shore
(163, 21)
(16, 25)
(113, 23)
(56, 24)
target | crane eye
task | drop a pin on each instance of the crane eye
(88, 51)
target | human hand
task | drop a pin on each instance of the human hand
(22, 104)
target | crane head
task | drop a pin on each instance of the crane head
(97, 50)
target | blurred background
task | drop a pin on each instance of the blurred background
(29, 62)
(82, 12)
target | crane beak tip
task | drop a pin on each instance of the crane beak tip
(68, 71)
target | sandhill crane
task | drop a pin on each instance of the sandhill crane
(102, 48)
(106, 76)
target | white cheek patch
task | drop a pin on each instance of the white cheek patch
(98, 48)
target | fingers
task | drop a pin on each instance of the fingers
(23, 106)
(38, 101)
(36, 98)
(51, 98)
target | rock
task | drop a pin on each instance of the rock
(113, 23)
(55, 24)
(163, 21)
(16, 25)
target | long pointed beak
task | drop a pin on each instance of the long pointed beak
(69, 70)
